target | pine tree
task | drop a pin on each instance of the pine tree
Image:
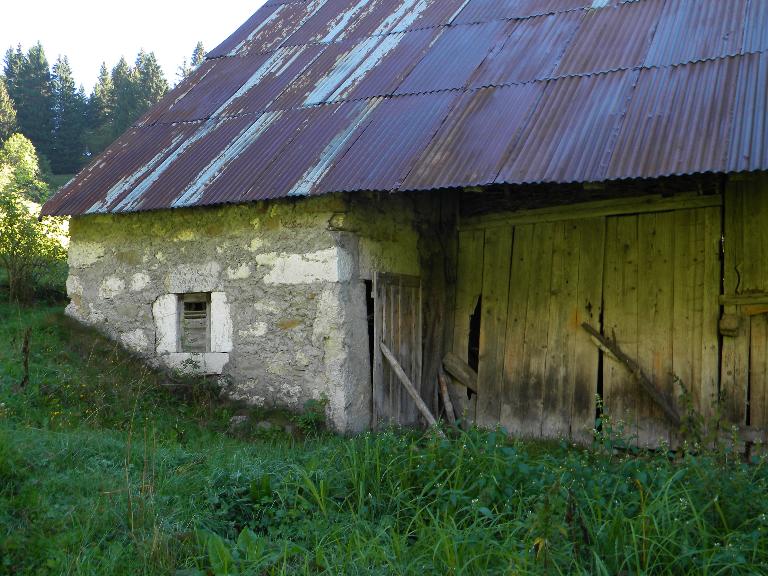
(100, 114)
(150, 82)
(198, 55)
(7, 113)
(14, 60)
(68, 120)
(124, 97)
(33, 98)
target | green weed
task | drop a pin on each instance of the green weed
(105, 470)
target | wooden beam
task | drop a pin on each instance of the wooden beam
(613, 207)
(460, 370)
(406, 382)
(744, 299)
(607, 345)
(443, 381)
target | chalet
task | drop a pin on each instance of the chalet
(552, 199)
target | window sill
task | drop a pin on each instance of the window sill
(200, 363)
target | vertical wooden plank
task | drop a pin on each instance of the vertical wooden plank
(379, 395)
(496, 266)
(468, 290)
(515, 398)
(620, 318)
(710, 338)
(537, 330)
(654, 327)
(588, 309)
(557, 394)
(418, 322)
(758, 371)
(687, 285)
(735, 351)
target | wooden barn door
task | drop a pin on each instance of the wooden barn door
(397, 323)
(543, 383)
(660, 293)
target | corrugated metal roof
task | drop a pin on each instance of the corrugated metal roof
(315, 96)
(543, 40)
(697, 98)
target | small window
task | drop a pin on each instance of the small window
(195, 321)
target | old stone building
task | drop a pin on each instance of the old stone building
(520, 192)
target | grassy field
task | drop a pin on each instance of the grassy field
(104, 470)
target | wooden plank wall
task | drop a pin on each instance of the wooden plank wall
(744, 376)
(662, 283)
(652, 277)
(397, 323)
(468, 290)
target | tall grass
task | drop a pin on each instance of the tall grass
(131, 479)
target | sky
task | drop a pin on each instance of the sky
(90, 32)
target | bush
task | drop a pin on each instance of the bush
(31, 249)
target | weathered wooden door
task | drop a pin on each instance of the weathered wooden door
(660, 292)
(397, 323)
(537, 370)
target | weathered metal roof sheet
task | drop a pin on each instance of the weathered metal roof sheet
(316, 96)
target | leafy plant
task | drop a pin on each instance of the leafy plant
(311, 421)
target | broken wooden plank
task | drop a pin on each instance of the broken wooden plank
(408, 385)
(442, 378)
(461, 371)
(634, 369)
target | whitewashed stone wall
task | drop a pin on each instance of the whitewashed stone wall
(287, 291)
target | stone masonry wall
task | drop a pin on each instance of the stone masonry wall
(287, 284)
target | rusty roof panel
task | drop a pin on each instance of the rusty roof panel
(118, 169)
(623, 32)
(242, 180)
(454, 57)
(380, 158)
(344, 20)
(176, 173)
(277, 27)
(313, 96)
(322, 141)
(475, 139)
(749, 143)
(542, 39)
(429, 13)
(756, 32)
(573, 130)
(691, 30)
(678, 121)
(260, 18)
(487, 10)
(277, 71)
(211, 87)
(386, 67)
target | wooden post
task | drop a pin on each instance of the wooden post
(25, 359)
(406, 382)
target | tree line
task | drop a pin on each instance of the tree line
(66, 126)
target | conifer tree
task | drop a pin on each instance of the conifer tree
(32, 96)
(151, 84)
(7, 113)
(123, 97)
(100, 115)
(198, 55)
(68, 119)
